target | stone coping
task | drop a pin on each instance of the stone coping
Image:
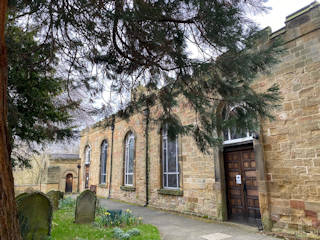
(173, 192)
(128, 188)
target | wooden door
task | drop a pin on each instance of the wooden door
(242, 188)
(69, 180)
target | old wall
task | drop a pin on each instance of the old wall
(292, 142)
(196, 178)
(290, 152)
(60, 166)
(49, 171)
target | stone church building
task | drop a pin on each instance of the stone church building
(272, 175)
(49, 172)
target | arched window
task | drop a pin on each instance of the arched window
(170, 163)
(129, 159)
(87, 153)
(234, 135)
(103, 162)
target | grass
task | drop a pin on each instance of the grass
(63, 228)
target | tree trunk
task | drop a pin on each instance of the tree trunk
(9, 226)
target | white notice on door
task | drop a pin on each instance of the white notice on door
(238, 179)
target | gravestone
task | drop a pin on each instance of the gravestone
(54, 197)
(61, 194)
(21, 195)
(35, 216)
(85, 207)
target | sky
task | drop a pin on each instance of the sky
(276, 17)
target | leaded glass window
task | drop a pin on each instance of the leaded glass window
(129, 160)
(170, 164)
(103, 162)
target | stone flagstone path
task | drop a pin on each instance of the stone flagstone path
(180, 227)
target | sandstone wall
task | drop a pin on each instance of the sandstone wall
(48, 169)
(196, 178)
(291, 143)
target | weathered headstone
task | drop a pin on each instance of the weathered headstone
(54, 197)
(61, 194)
(21, 195)
(85, 207)
(35, 216)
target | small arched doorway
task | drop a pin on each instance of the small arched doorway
(69, 180)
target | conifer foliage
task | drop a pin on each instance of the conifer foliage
(147, 42)
(36, 112)
(144, 42)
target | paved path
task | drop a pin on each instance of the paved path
(181, 227)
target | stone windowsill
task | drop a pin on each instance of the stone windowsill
(102, 186)
(128, 188)
(173, 192)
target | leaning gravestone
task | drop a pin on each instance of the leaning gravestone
(85, 207)
(54, 197)
(35, 216)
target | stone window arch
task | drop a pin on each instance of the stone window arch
(234, 135)
(129, 155)
(103, 162)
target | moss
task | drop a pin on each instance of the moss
(128, 188)
(267, 223)
(85, 207)
(35, 216)
(54, 197)
(222, 212)
(173, 192)
(21, 195)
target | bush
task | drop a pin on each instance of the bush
(67, 203)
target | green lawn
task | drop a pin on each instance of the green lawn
(63, 228)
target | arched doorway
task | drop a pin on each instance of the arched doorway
(69, 180)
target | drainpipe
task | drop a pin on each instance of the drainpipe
(112, 129)
(147, 113)
(79, 166)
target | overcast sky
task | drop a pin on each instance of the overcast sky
(276, 17)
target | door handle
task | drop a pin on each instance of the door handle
(244, 186)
